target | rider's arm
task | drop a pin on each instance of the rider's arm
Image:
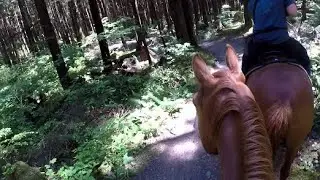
(291, 7)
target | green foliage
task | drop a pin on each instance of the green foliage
(11, 144)
(109, 145)
(122, 27)
(22, 82)
(309, 158)
(130, 109)
(300, 174)
(109, 149)
(316, 18)
(316, 88)
(230, 19)
(74, 57)
(21, 88)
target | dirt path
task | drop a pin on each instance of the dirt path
(181, 156)
(218, 47)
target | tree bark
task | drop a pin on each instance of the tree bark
(4, 52)
(136, 14)
(182, 19)
(26, 26)
(141, 33)
(10, 40)
(102, 7)
(99, 29)
(53, 45)
(166, 13)
(247, 18)
(215, 9)
(86, 27)
(188, 11)
(232, 4)
(74, 19)
(196, 12)
(153, 13)
(204, 12)
(64, 22)
(304, 10)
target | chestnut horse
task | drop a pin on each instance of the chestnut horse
(284, 94)
(231, 123)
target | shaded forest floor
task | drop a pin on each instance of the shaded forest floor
(100, 128)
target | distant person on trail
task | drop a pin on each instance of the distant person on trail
(270, 30)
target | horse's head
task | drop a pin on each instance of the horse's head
(217, 90)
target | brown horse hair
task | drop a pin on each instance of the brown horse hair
(256, 145)
(278, 121)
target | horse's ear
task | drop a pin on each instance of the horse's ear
(200, 69)
(232, 59)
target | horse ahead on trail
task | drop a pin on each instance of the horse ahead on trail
(231, 123)
(283, 91)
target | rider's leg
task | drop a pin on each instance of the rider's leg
(249, 56)
(296, 51)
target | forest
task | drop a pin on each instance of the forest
(87, 86)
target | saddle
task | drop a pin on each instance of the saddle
(270, 54)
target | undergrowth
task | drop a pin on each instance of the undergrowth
(109, 148)
(95, 128)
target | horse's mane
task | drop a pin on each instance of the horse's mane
(256, 145)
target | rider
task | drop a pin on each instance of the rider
(270, 28)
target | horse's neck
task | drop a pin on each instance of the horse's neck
(244, 147)
(231, 154)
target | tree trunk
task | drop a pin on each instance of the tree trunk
(196, 12)
(136, 14)
(232, 4)
(64, 22)
(153, 13)
(53, 45)
(187, 9)
(102, 8)
(204, 11)
(102, 40)
(74, 19)
(141, 33)
(113, 8)
(166, 14)
(247, 18)
(304, 10)
(215, 9)
(9, 40)
(26, 26)
(182, 19)
(4, 52)
(86, 27)
(178, 19)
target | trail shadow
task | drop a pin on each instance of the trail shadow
(217, 47)
(182, 157)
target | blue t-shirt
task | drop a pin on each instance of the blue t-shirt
(270, 14)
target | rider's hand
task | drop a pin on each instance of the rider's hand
(291, 10)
